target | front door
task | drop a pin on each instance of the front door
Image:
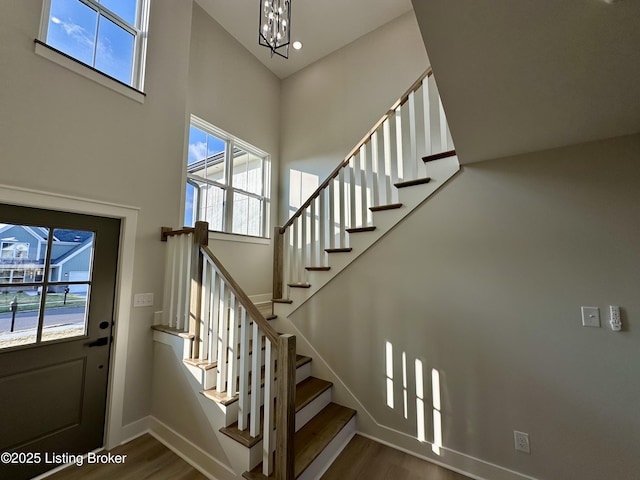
(57, 288)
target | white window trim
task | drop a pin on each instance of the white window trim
(133, 91)
(228, 188)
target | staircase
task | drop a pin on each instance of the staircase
(241, 362)
(278, 418)
(405, 158)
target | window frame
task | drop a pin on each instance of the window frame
(139, 31)
(231, 144)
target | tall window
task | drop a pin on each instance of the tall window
(107, 35)
(227, 182)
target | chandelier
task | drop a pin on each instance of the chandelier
(275, 29)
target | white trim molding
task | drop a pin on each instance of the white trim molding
(129, 220)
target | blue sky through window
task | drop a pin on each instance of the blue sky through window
(73, 27)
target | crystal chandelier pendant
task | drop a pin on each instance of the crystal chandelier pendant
(275, 30)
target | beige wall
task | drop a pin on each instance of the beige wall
(329, 106)
(484, 283)
(65, 134)
(232, 90)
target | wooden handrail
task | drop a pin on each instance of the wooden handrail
(403, 99)
(246, 302)
(168, 232)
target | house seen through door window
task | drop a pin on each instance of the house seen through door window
(227, 182)
(45, 281)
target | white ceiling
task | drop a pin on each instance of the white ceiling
(528, 75)
(322, 26)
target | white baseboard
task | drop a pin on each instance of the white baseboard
(209, 466)
(134, 430)
(489, 471)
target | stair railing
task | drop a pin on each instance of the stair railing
(390, 153)
(229, 331)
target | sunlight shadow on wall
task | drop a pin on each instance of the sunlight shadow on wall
(437, 417)
(389, 365)
(420, 418)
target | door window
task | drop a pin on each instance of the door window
(45, 283)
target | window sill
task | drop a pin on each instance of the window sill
(232, 237)
(86, 71)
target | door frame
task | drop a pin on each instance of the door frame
(128, 216)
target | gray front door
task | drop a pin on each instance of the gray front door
(57, 288)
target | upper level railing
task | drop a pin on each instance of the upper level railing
(202, 299)
(390, 153)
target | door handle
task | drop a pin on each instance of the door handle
(102, 341)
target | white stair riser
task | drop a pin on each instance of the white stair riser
(302, 417)
(323, 461)
(313, 408)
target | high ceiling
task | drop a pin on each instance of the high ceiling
(322, 26)
(529, 75)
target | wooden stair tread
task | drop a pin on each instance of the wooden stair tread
(411, 183)
(299, 285)
(317, 269)
(361, 229)
(390, 206)
(438, 156)
(313, 438)
(173, 331)
(282, 300)
(206, 365)
(338, 250)
(223, 399)
(306, 391)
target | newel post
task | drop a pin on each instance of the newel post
(200, 238)
(285, 407)
(278, 262)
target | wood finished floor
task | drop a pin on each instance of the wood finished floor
(364, 459)
(146, 459)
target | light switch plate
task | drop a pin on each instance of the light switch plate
(590, 317)
(143, 300)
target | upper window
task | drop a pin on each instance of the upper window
(227, 182)
(14, 250)
(106, 35)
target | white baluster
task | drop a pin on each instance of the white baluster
(304, 257)
(351, 177)
(181, 283)
(245, 359)
(232, 356)
(434, 115)
(384, 191)
(223, 328)
(256, 363)
(322, 219)
(187, 279)
(313, 240)
(399, 146)
(362, 164)
(215, 316)
(372, 170)
(342, 209)
(332, 215)
(168, 315)
(295, 254)
(426, 97)
(391, 157)
(205, 318)
(268, 445)
(413, 141)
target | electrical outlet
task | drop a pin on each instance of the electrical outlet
(521, 440)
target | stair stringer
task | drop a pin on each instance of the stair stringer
(238, 457)
(440, 172)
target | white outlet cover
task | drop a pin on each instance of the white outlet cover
(590, 316)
